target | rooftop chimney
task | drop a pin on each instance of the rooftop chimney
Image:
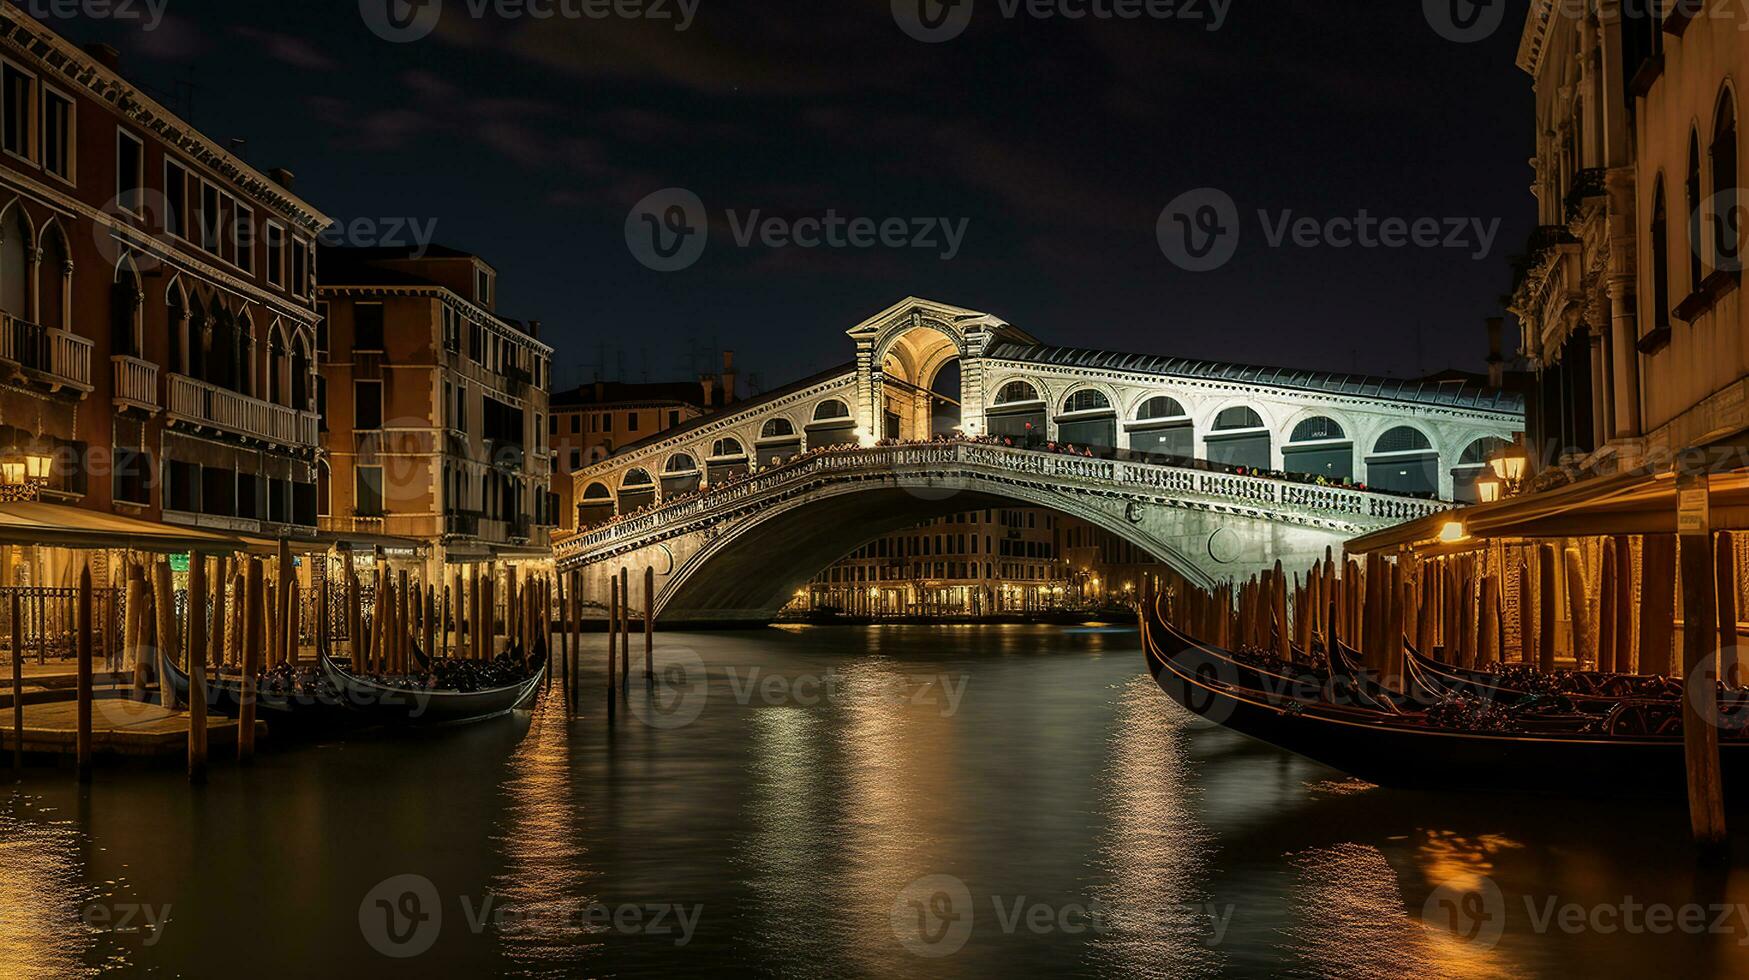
(105, 55)
(709, 383)
(729, 377)
(534, 329)
(1496, 360)
(283, 177)
(600, 391)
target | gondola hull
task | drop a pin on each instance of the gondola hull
(388, 705)
(225, 697)
(1395, 752)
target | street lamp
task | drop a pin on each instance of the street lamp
(1489, 488)
(1509, 464)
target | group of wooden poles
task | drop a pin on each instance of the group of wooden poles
(235, 621)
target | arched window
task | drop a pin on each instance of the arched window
(1696, 237)
(727, 448)
(636, 478)
(275, 365)
(1318, 447)
(596, 505)
(1238, 417)
(1086, 400)
(1471, 465)
(778, 428)
(15, 249)
(176, 322)
(1660, 258)
(679, 475)
(680, 463)
(1317, 429)
(1726, 222)
(300, 373)
(1160, 407)
(1403, 460)
(56, 280)
(1016, 392)
(126, 308)
(324, 489)
(598, 491)
(833, 410)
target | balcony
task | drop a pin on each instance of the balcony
(1587, 184)
(56, 357)
(209, 406)
(136, 384)
(463, 524)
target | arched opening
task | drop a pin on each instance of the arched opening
(831, 425)
(636, 491)
(221, 362)
(727, 461)
(1088, 420)
(1163, 428)
(300, 374)
(911, 367)
(778, 440)
(1318, 447)
(1727, 222)
(1238, 438)
(15, 249)
(1660, 259)
(176, 322)
(1403, 461)
(56, 282)
(324, 490)
(1018, 413)
(276, 392)
(1471, 466)
(596, 506)
(1696, 234)
(946, 416)
(126, 311)
(679, 475)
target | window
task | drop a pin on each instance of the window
(367, 405)
(367, 496)
(777, 428)
(673, 419)
(243, 238)
(1016, 391)
(1160, 407)
(577, 424)
(18, 90)
(631, 421)
(175, 199)
(1087, 400)
(367, 326)
(300, 270)
(1238, 417)
(1726, 221)
(133, 476)
(831, 410)
(1317, 429)
(275, 254)
(58, 130)
(1660, 259)
(724, 448)
(183, 488)
(130, 171)
(484, 288)
(461, 408)
(1696, 240)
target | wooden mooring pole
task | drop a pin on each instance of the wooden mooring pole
(254, 638)
(82, 736)
(649, 625)
(625, 623)
(197, 740)
(612, 636)
(1700, 733)
(17, 687)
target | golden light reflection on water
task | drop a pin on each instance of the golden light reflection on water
(1353, 918)
(545, 876)
(42, 895)
(899, 793)
(1156, 851)
(790, 917)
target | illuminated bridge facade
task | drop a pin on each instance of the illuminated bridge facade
(738, 509)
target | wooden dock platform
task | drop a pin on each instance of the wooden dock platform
(118, 728)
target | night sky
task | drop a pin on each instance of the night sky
(1057, 142)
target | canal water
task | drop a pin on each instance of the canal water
(885, 802)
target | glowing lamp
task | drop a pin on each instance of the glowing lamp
(1510, 462)
(1489, 487)
(1453, 533)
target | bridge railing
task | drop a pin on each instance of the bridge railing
(1107, 474)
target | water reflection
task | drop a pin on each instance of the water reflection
(43, 896)
(789, 916)
(1155, 854)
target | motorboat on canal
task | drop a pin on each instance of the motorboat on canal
(1334, 714)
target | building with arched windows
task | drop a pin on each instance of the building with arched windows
(157, 307)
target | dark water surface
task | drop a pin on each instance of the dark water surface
(833, 802)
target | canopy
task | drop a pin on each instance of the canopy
(61, 526)
(1626, 503)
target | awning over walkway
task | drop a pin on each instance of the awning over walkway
(61, 526)
(1627, 503)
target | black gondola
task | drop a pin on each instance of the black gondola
(391, 705)
(319, 704)
(1562, 754)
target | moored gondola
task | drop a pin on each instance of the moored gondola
(292, 697)
(413, 703)
(1634, 749)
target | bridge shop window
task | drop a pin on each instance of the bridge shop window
(679, 475)
(1470, 467)
(778, 440)
(1088, 420)
(1018, 414)
(728, 460)
(1319, 447)
(596, 506)
(1163, 428)
(636, 491)
(1239, 438)
(832, 425)
(1403, 460)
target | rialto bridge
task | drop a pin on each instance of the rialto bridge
(738, 509)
